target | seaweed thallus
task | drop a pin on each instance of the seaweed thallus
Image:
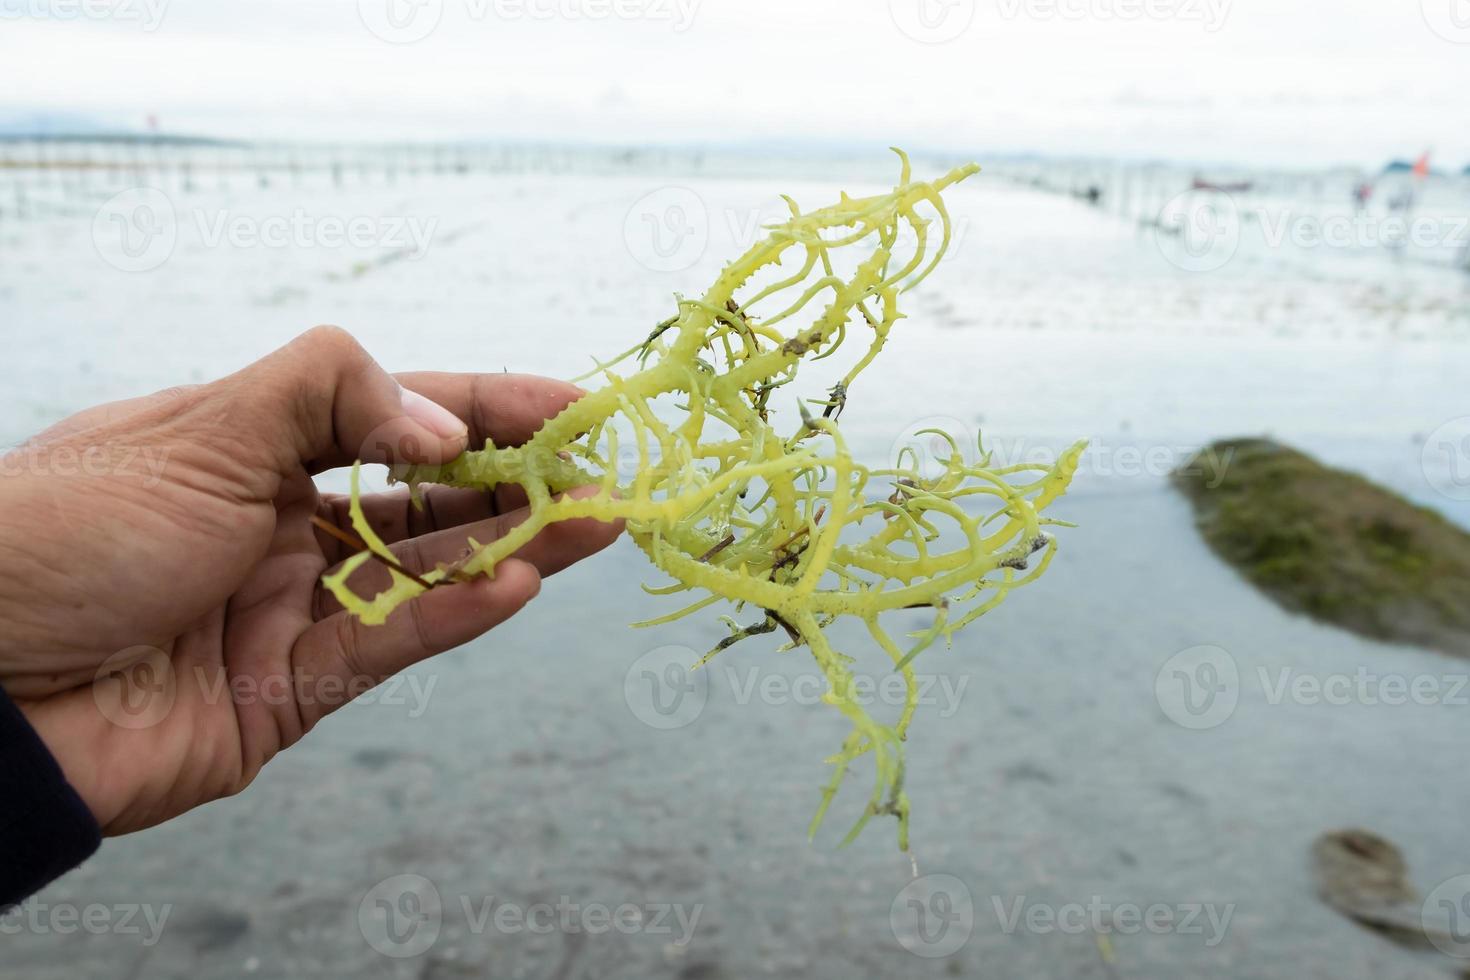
(785, 526)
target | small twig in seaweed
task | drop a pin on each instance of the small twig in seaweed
(356, 543)
(837, 401)
(723, 543)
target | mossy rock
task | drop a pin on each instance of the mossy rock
(1332, 544)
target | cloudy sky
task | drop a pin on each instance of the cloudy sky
(1272, 81)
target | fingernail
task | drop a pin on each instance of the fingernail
(438, 419)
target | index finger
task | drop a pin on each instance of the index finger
(507, 409)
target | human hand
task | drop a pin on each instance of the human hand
(172, 561)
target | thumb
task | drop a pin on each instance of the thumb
(322, 401)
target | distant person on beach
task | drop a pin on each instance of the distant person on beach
(166, 633)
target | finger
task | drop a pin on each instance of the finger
(554, 548)
(341, 649)
(506, 409)
(321, 401)
(394, 517)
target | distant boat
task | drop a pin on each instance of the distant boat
(1418, 168)
(1239, 187)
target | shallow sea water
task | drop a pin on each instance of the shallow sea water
(1044, 770)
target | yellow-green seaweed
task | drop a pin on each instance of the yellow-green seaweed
(789, 525)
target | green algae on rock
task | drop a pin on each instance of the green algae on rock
(1333, 544)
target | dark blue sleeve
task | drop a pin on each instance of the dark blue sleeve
(45, 828)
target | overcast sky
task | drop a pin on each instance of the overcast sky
(1272, 81)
